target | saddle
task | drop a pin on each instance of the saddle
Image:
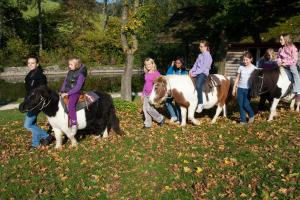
(211, 82)
(84, 101)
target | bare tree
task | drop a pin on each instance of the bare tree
(40, 20)
(129, 45)
(105, 14)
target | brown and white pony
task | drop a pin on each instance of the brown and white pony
(182, 89)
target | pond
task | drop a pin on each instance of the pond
(12, 88)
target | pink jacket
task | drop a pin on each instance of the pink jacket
(287, 55)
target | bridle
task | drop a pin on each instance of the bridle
(43, 102)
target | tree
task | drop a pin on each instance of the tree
(40, 20)
(129, 45)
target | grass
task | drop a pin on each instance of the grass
(221, 161)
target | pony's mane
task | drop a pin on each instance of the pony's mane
(257, 76)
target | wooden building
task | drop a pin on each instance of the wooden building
(236, 50)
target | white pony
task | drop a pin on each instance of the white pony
(182, 89)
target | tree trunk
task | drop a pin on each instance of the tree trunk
(39, 2)
(129, 51)
(126, 92)
(105, 14)
(222, 52)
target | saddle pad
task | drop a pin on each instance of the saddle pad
(89, 98)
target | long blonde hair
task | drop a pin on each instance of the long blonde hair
(269, 52)
(287, 39)
(152, 62)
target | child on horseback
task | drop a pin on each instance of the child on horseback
(241, 88)
(287, 57)
(150, 112)
(34, 79)
(267, 62)
(72, 88)
(200, 71)
(177, 68)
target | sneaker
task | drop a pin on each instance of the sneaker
(243, 123)
(173, 119)
(146, 127)
(48, 140)
(161, 122)
(199, 108)
(32, 148)
(251, 120)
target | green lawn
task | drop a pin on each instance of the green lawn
(221, 161)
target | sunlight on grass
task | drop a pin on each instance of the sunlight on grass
(225, 160)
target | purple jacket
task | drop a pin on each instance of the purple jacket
(74, 81)
(202, 64)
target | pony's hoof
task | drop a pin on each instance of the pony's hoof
(213, 121)
(182, 125)
(58, 147)
(196, 122)
(74, 145)
(97, 137)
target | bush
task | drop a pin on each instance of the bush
(16, 52)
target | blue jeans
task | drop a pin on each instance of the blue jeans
(174, 110)
(244, 104)
(293, 75)
(37, 132)
(200, 79)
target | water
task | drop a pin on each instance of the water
(12, 88)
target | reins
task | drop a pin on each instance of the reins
(44, 104)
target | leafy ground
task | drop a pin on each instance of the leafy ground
(221, 161)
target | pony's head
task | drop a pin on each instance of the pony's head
(36, 100)
(159, 92)
(255, 82)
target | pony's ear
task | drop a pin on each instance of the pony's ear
(43, 91)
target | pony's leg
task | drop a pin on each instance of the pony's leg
(218, 111)
(292, 105)
(298, 105)
(273, 109)
(58, 137)
(72, 138)
(224, 111)
(105, 133)
(191, 113)
(183, 116)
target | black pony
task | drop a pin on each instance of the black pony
(273, 84)
(99, 117)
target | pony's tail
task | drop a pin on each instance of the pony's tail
(114, 121)
(229, 96)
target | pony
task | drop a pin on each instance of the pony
(99, 117)
(182, 89)
(274, 84)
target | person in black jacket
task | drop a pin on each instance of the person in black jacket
(33, 79)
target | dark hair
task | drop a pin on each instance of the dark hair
(181, 60)
(247, 54)
(34, 57)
